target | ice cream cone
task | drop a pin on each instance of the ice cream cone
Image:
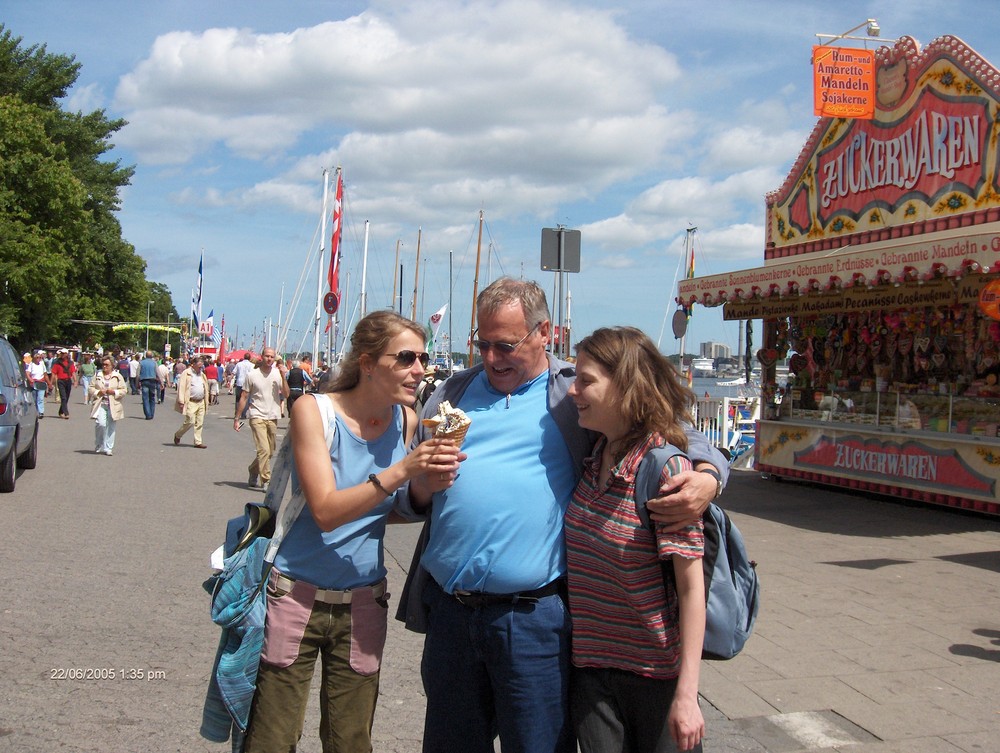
(455, 435)
(449, 423)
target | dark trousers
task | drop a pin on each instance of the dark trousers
(501, 669)
(239, 394)
(617, 710)
(64, 386)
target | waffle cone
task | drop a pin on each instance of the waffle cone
(455, 435)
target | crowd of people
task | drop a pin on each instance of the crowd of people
(547, 621)
(106, 378)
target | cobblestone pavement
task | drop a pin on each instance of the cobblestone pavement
(879, 632)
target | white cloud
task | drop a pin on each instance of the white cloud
(542, 102)
(744, 146)
(665, 210)
(85, 99)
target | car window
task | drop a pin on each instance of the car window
(9, 373)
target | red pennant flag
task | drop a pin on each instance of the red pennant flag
(334, 276)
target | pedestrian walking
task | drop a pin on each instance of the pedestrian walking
(240, 372)
(86, 371)
(212, 375)
(39, 380)
(106, 392)
(63, 371)
(133, 374)
(149, 383)
(179, 367)
(298, 380)
(192, 401)
(264, 387)
(230, 374)
(162, 378)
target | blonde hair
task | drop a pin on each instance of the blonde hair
(652, 395)
(371, 337)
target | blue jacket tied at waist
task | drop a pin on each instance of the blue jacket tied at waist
(239, 603)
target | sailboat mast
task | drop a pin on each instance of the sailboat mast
(689, 272)
(364, 275)
(451, 287)
(475, 286)
(397, 282)
(281, 332)
(416, 277)
(568, 324)
(321, 268)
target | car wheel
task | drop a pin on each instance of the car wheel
(29, 458)
(7, 472)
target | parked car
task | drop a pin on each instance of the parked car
(18, 418)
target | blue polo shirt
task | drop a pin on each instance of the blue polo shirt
(499, 528)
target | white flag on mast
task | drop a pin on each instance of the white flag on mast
(434, 326)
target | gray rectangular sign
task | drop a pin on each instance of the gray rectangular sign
(550, 250)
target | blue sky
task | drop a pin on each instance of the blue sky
(629, 121)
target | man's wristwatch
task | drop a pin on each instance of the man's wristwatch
(718, 480)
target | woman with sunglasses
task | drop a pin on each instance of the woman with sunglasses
(637, 639)
(327, 593)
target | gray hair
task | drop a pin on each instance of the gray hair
(506, 291)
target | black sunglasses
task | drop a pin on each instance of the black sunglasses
(505, 348)
(406, 358)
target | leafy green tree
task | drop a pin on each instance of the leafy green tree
(41, 213)
(62, 254)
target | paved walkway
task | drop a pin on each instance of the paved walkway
(879, 632)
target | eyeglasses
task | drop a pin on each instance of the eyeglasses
(406, 358)
(504, 348)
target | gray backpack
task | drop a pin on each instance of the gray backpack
(732, 589)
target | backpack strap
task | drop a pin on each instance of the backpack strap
(647, 479)
(288, 513)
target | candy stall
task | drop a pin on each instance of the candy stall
(881, 287)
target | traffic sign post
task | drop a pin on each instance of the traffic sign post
(560, 254)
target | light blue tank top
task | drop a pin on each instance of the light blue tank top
(349, 556)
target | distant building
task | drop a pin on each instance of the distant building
(715, 350)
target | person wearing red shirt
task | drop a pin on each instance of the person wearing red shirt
(63, 370)
(212, 374)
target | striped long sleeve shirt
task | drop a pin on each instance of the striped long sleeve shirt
(623, 617)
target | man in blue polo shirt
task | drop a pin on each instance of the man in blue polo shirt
(490, 588)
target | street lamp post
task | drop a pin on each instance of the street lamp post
(148, 304)
(169, 314)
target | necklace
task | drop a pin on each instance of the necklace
(376, 421)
